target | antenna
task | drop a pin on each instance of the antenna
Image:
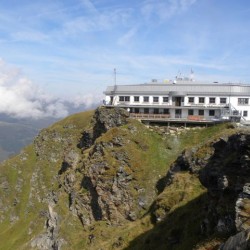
(191, 75)
(115, 76)
(115, 87)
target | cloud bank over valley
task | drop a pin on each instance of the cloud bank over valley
(21, 98)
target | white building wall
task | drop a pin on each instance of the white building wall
(107, 99)
(184, 113)
(196, 100)
(241, 107)
(233, 100)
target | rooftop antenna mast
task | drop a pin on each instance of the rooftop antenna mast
(114, 91)
(191, 75)
(115, 76)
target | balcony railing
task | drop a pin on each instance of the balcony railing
(195, 118)
(167, 117)
(149, 116)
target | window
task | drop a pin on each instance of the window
(146, 111)
(191, 99)
(156, 111)
(212, 100)
(190, 112)
(178, 113)
(127, 98)
(124, 98)
(165, 99)
(136, 98)
(223, 100)
(137, 110)
(201, 112)
(245, 113)
(201, 99)
(155, 99)
(145, 99)
(211, 112)
(166, 111)
(242, 101)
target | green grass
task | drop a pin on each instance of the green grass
(179, 205)
(149, 158)
(15, 236)
(79, 121)
(17, 233)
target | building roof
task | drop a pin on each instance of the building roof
(185, 87)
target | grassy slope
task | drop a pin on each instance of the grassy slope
(19, 170)
(150, 156)
(184, 197)
(185, 200)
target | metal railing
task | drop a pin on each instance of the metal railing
(149, 116)
(196, 118)
(167, 117)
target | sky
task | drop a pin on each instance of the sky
(51, 51)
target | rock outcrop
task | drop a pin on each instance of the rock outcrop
(240, 241)
(242, 208)
(223, 167)
(103, 120)
(50, 239)
(107, 196)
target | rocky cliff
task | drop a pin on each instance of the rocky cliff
(99, 180)
(223, 167)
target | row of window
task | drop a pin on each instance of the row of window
(166, 111)
(145, 98)
(165, 99)
(201, 112)
(211, 112)
(155, 111)
(211, 100)
(201, 100)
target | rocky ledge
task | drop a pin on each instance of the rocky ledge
(223, 167)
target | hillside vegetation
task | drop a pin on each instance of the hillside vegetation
(99, 180)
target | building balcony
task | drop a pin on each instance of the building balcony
(175, 118)
(149, 116)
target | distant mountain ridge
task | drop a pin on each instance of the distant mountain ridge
(16, 133)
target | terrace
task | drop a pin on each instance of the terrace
(166, 118)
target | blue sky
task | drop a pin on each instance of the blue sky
(71, 47)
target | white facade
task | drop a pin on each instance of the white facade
(184, 100)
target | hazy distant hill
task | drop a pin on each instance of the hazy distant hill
(15, 134)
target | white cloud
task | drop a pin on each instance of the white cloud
(164, 9)
(97, 21)
(126, 38)
(89, 6)
(31, 35)
(21, 98)
(88, 100)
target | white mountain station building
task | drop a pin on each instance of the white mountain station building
(183, 100)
